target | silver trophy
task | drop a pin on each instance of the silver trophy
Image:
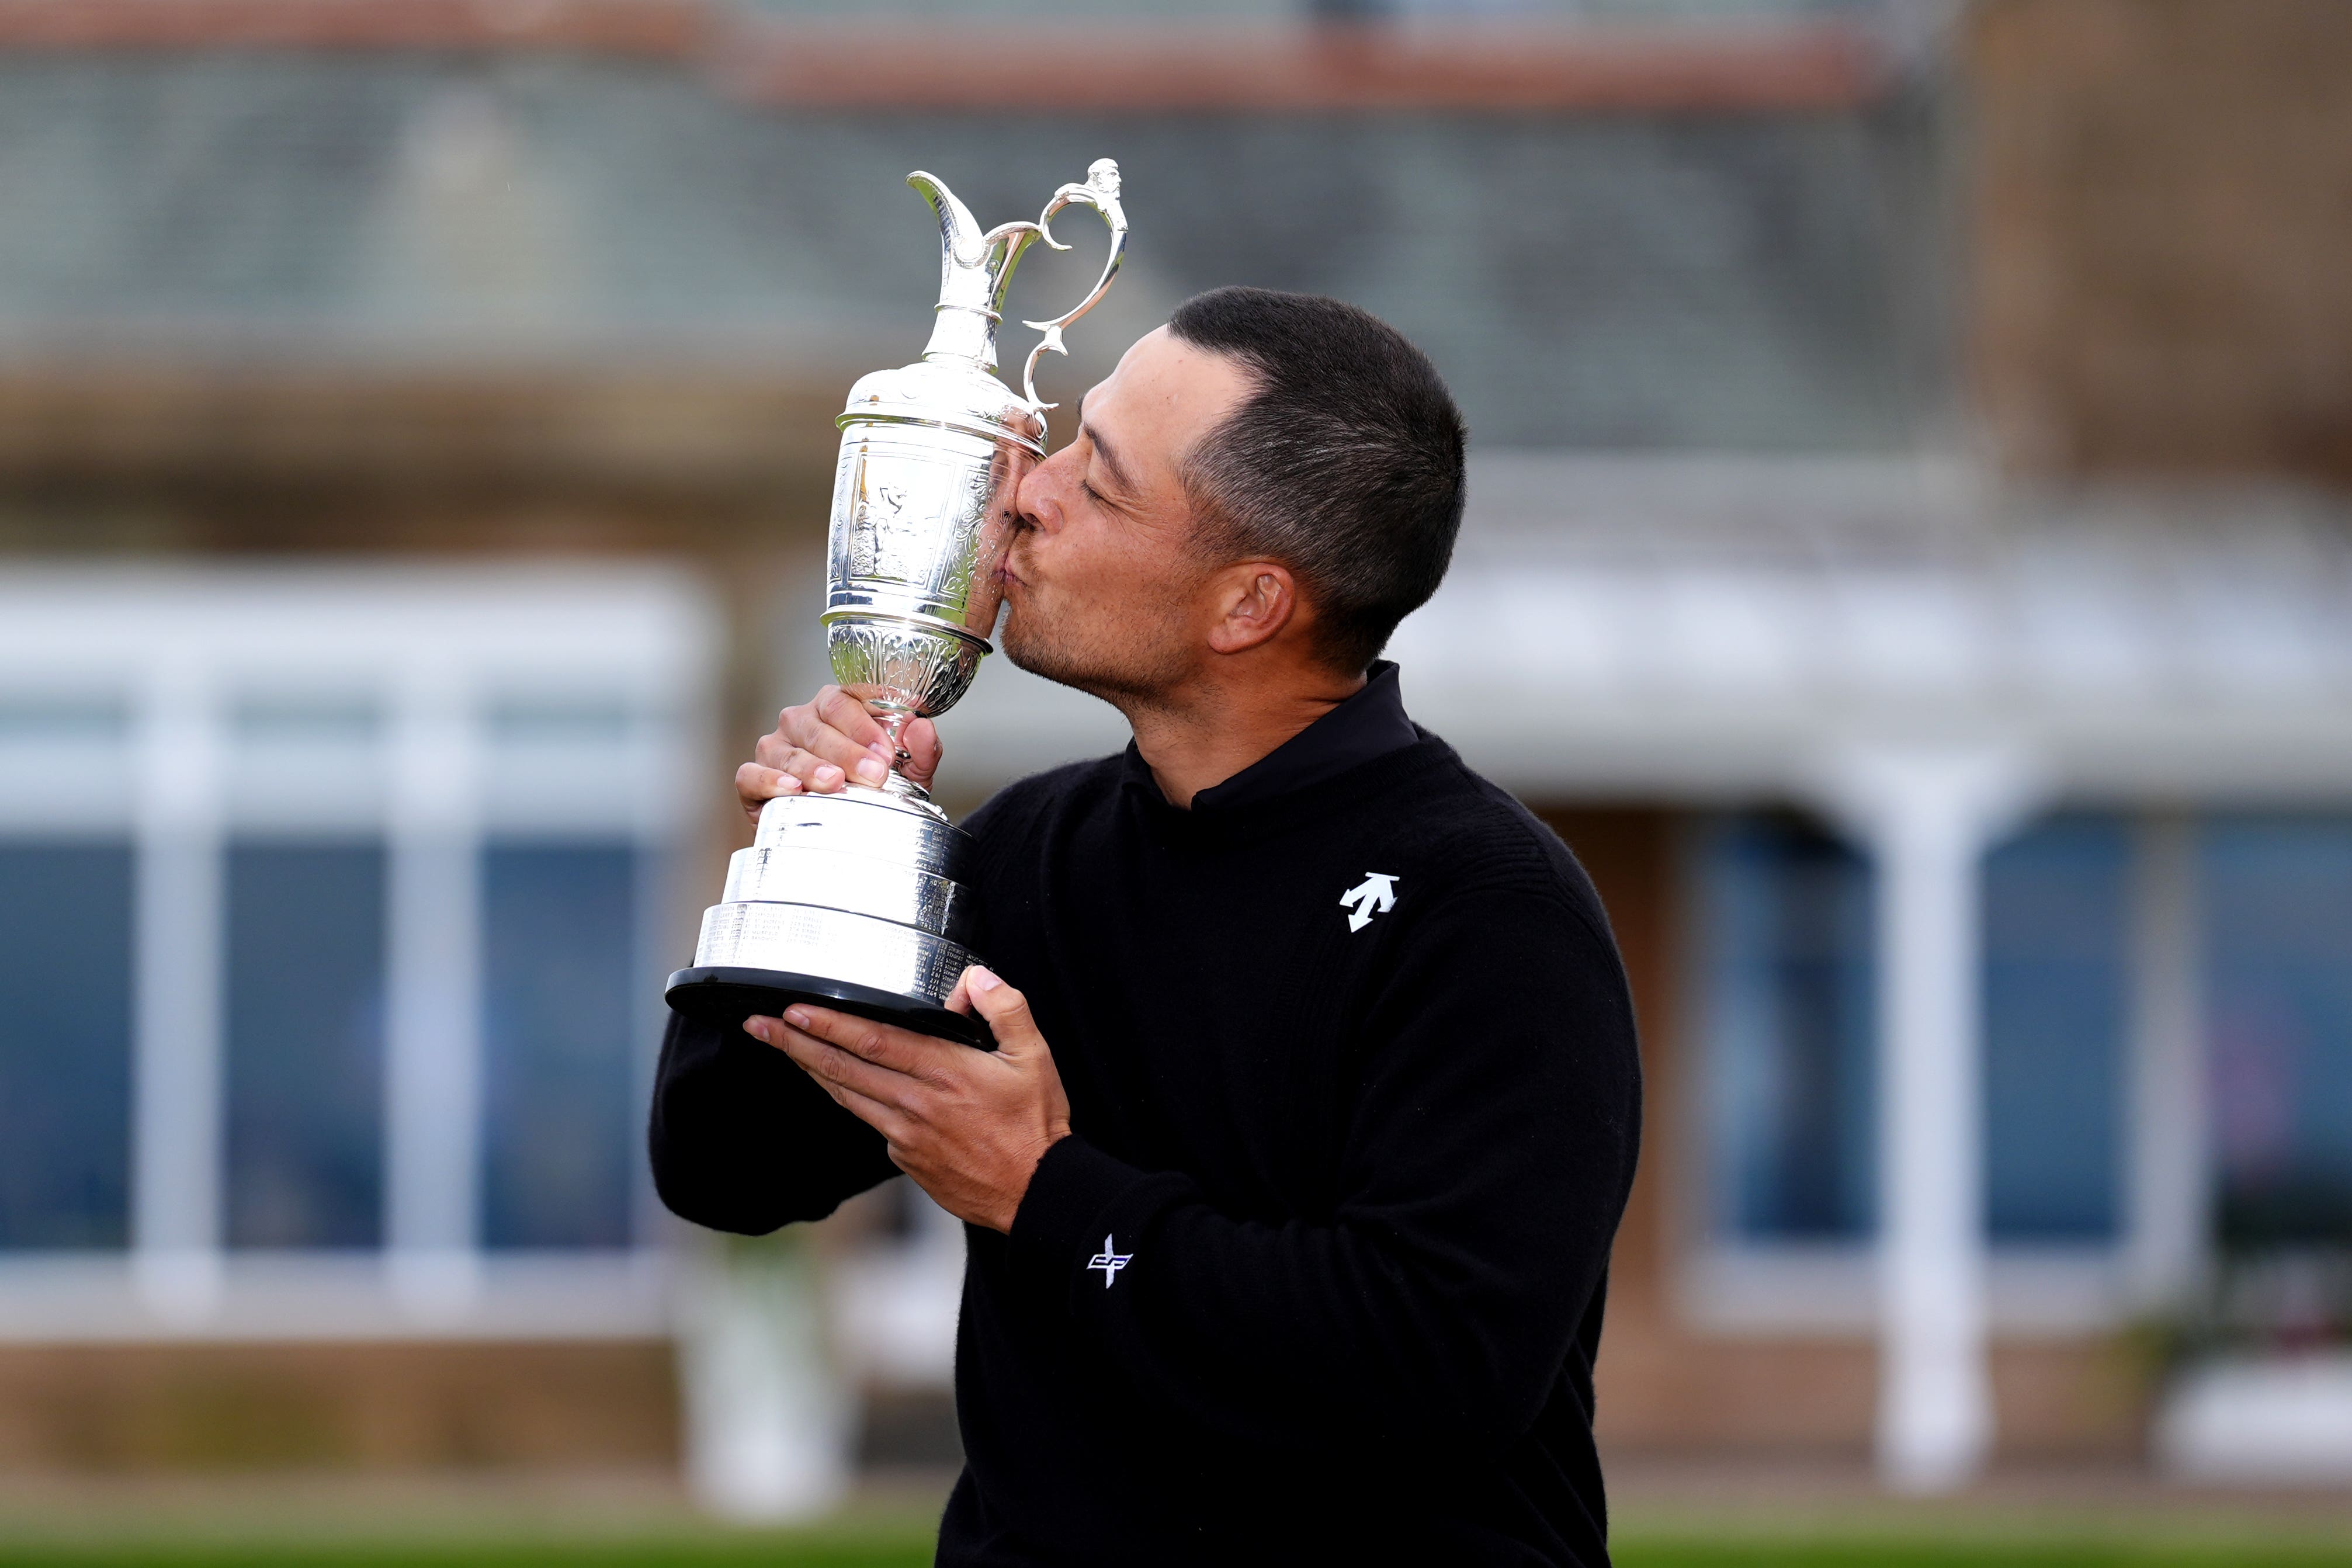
(859, 900)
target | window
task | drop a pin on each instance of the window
(329, 1024)
(2056, 1000)
(1791, 1039)
(1786, 915)
(560, 1032)
(65, 1045)
(305, 1045)
(2277, 905)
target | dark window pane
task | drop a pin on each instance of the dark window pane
(2277, 914)
(2055, 1000)
(560, 985)
(1787, 914)
(65, 1045)
(306, 925)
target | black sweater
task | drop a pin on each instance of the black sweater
(1363, 1158)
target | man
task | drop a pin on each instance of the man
(1290, 1186)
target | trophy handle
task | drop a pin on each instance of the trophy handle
(1100, 192)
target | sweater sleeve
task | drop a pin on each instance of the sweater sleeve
(742, 1140)
(1486, 1162)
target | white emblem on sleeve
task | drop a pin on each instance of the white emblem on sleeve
(1375, 895)
(1110, 1261)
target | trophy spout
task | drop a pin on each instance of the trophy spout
(976, 268)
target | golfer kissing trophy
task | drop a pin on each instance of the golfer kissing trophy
(859, 900)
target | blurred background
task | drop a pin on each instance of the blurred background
(1909, 559)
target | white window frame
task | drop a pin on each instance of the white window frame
(1743, 1288)
(435, 651)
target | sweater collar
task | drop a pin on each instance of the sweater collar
(1371, 723)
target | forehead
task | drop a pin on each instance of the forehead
(1164, 396)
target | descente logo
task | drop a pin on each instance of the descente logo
(1375, 895)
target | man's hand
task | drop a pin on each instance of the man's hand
(827, 742)
(969, 1126)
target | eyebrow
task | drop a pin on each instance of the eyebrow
(1111, 459)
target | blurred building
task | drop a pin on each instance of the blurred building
(1901, 562)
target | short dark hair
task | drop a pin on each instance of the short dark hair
(1344, 464)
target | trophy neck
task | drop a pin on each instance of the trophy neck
(976, 268)
(963, 334)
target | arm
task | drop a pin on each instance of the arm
(739, 1139)
(742, 1140)
(1485, 1168)
(1486, 1164)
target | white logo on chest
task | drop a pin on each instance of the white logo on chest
(1375, 895)
(1110, 1261)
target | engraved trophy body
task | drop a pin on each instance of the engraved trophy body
(859, 900)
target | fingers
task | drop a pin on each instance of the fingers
(836, 730)
(811, 743)
(884, 1047)
(847, 717)
(831, 1069)
(829, 741)
(903, 1051)
(811, 772)
(1006, 1010)
(921, 739)
(755, 786)
(786, 770)
(887, 1119)
(832, 1065)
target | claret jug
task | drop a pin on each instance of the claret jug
(859, 900)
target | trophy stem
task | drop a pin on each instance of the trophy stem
(894, 720)
(894, 724)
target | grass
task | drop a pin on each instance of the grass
(909, 1546)
(1917, 1552)
(794, 1550)
(624, 1522)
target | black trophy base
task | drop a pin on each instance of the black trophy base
(731, 995)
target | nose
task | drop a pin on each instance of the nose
(1039, 499)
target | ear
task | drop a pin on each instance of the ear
(1252, 603)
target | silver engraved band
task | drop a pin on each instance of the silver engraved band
(802, 939)
(870, 823)
(857, 884)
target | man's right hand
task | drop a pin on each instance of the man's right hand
(829, 741)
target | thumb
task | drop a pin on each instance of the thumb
(1006, 1010)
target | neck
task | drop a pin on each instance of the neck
(1220, 723)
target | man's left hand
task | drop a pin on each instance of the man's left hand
(968, 1125)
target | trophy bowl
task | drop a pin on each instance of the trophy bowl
(859, 900)
(898, 667)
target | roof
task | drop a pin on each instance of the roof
(1657, 279)
(1724, 628)
(1641, 55)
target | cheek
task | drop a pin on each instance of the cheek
(1097, 569)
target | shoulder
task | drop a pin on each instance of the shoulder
(1024, 805)
(1478, 845)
